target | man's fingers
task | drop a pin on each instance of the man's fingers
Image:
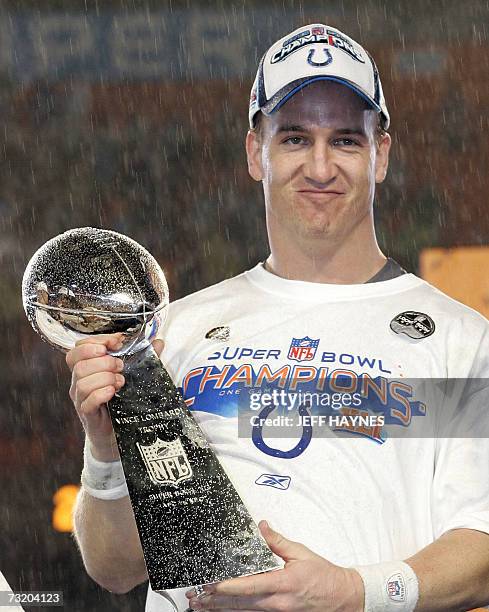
(282, 546)
(110, 340)
(260, 584)
(229, 602)
(86, 389)
(92, 404)
(87, 367)
(245, 593)
(259, 592)
(84, 351)
(95, 346)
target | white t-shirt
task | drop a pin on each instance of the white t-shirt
(366, 497)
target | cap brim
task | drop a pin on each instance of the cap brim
(281, 97)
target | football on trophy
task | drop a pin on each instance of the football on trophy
(90, 281)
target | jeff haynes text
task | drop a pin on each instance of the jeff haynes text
(336, 420)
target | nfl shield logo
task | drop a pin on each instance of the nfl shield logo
(166, 462)
(303, 349)
(396, 588)
(317, 31)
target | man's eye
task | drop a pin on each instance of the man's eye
(294, 140)
(346, 142)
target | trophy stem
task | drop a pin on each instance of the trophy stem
(193, 526)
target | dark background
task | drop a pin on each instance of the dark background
(131, 116)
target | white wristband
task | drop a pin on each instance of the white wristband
(389, 587)
(101, 479)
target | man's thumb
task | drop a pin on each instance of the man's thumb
(158, 346)
(281, 546)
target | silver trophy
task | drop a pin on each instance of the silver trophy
(90, 281)
(193, 526)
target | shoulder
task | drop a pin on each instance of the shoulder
(463, 338)
(203, 310)
(450, 309)
(192, 319)
(209, 297)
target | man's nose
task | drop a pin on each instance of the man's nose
(320, 168)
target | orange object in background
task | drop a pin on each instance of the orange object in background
(461, 272)
(64, 500)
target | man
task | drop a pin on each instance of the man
(363, 521)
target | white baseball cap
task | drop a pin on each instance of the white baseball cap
(312, 53)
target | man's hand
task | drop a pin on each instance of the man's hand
(96, 377)
(307, 583)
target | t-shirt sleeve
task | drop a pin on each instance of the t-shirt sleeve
(461, 485)
(461, 472)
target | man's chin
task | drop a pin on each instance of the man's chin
(312, 234)
(314, 228)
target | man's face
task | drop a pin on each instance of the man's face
(318, 158)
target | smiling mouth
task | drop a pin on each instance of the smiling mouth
(313, 194)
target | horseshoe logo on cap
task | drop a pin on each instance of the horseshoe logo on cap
(327, 61)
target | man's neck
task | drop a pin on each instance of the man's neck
(336, 265)
(331, 256)
(326, 274)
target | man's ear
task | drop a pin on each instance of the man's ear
(382, 158)
(253, 153)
